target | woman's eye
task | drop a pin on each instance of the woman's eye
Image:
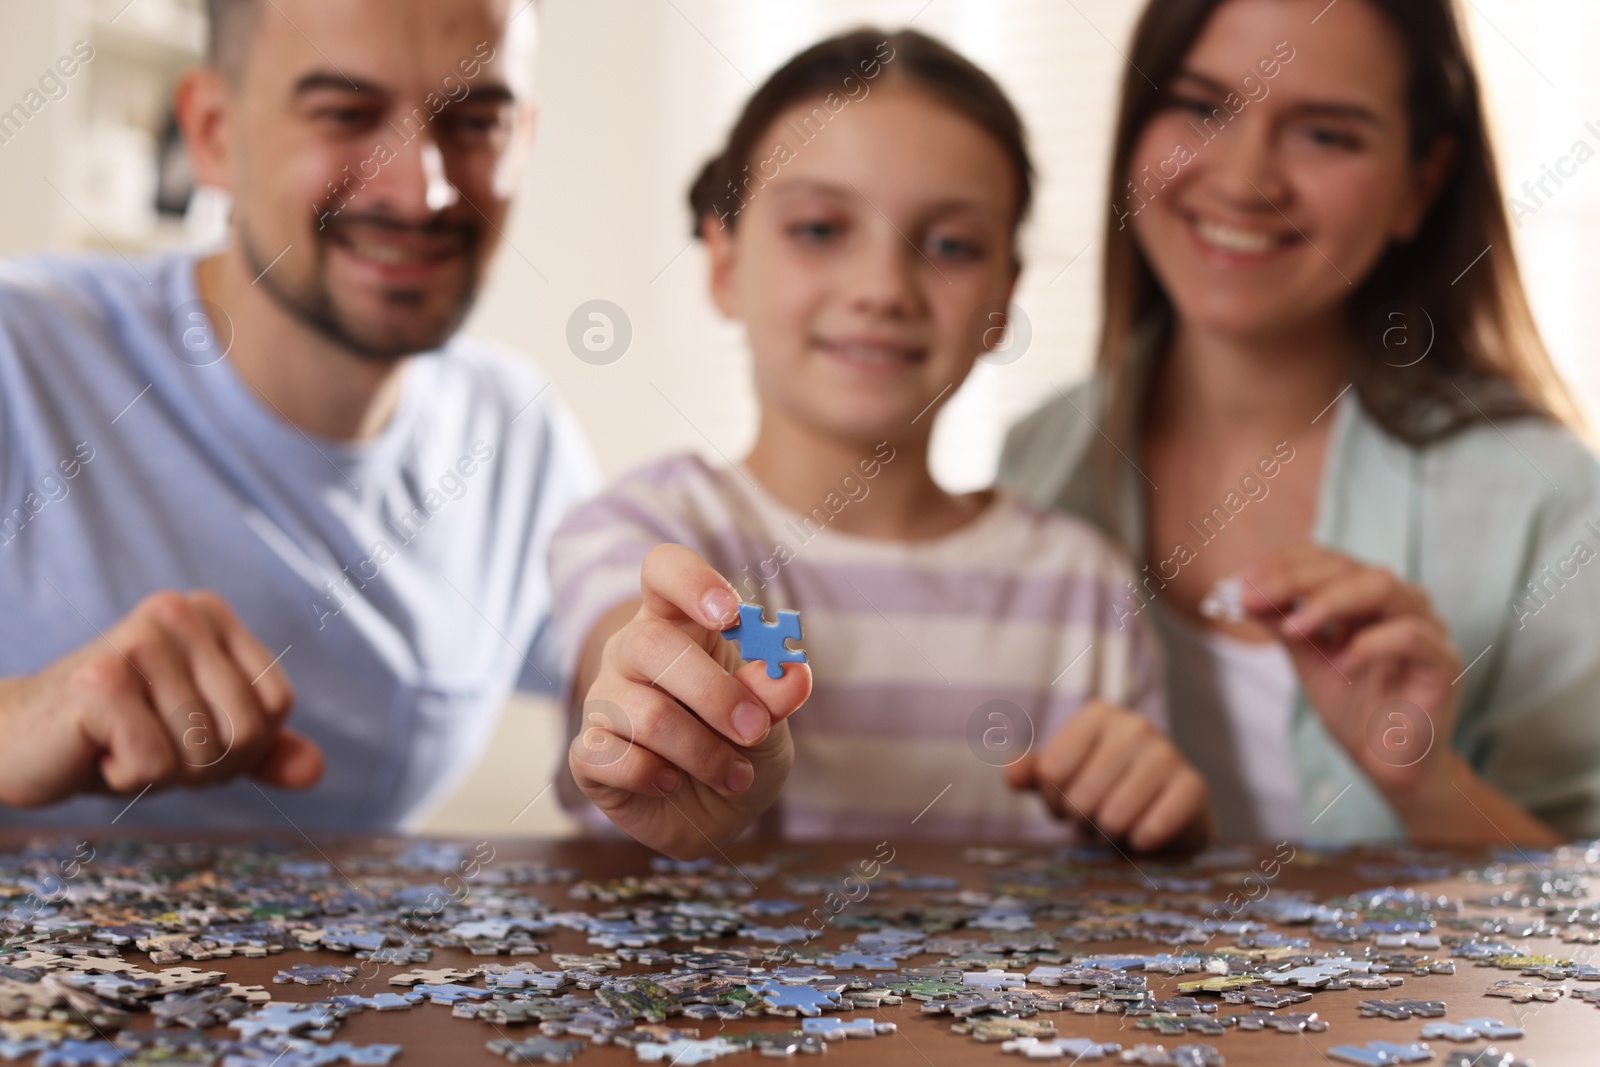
(1332, 138)
(1194, 104)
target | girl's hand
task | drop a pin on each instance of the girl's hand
(680, 746)
(1375, 660)
(1112, 769)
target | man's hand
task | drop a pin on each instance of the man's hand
(680, 746)
(176, 693)
(1112, 769)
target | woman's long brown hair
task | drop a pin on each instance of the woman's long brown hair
(1487, 359)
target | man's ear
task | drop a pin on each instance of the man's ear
(722, 251)
(205, 115)
(1428, 177)
(508, 174)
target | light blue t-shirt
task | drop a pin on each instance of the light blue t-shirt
(402, 577)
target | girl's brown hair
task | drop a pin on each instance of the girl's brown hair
(1487, 358)
(835, 68)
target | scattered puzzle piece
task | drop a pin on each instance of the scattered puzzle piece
(1484, 1057)
(1521, 991)
(1195, 1055)
(309, 974)
(1403, 1009)
(1062, 1048)
(1382, 1053)
(686, 1052)
(536, 1050)
(1470, 1030)
(437, 976)
(834, 1028)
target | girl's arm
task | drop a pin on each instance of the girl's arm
(675, 742)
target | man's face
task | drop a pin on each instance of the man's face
(374, 150)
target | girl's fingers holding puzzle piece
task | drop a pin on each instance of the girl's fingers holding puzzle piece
(606, 762)
(664, 727)
(677, 584)
(655, 653)
(782, 696)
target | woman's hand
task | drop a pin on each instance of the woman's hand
(1111, 769)
(1381, 669)
(679, 745)
(1375, 661)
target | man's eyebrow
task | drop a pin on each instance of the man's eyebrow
(1331, 108)
(491, 94)
(318, 81)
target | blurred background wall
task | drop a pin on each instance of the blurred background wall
(635, 94)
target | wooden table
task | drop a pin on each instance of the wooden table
(1566, 1032)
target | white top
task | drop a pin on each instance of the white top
(936, 661)
(1233, 724)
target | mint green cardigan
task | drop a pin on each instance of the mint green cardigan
(1473, 519)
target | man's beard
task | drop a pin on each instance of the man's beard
(312, 302)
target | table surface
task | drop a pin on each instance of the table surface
(1559, 1033)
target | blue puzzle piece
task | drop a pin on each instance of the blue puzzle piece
(762, 640)
(82, 1054)
(784, 999)
(450, 992)
(866, 961)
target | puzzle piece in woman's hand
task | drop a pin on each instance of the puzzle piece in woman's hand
(765, 641)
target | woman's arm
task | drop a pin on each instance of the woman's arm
(1460, 808)
(1379, 666)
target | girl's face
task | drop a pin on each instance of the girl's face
(864, 267)
(1284, 152)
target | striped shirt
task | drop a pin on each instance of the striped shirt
(933, 660)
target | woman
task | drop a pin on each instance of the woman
(1323, 421)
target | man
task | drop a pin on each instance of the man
(279, 462)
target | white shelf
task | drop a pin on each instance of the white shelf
(109, 158)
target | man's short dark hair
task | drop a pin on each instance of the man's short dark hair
(229, 34)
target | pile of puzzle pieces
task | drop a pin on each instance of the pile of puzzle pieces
(99, 941)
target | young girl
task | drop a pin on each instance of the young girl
(861, 224)
(1311, 296)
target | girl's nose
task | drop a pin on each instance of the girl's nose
(887, 272)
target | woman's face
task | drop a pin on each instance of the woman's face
(1279, 168)
(862, 266)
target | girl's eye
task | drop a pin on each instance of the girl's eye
(815, 231)
(954, 248)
